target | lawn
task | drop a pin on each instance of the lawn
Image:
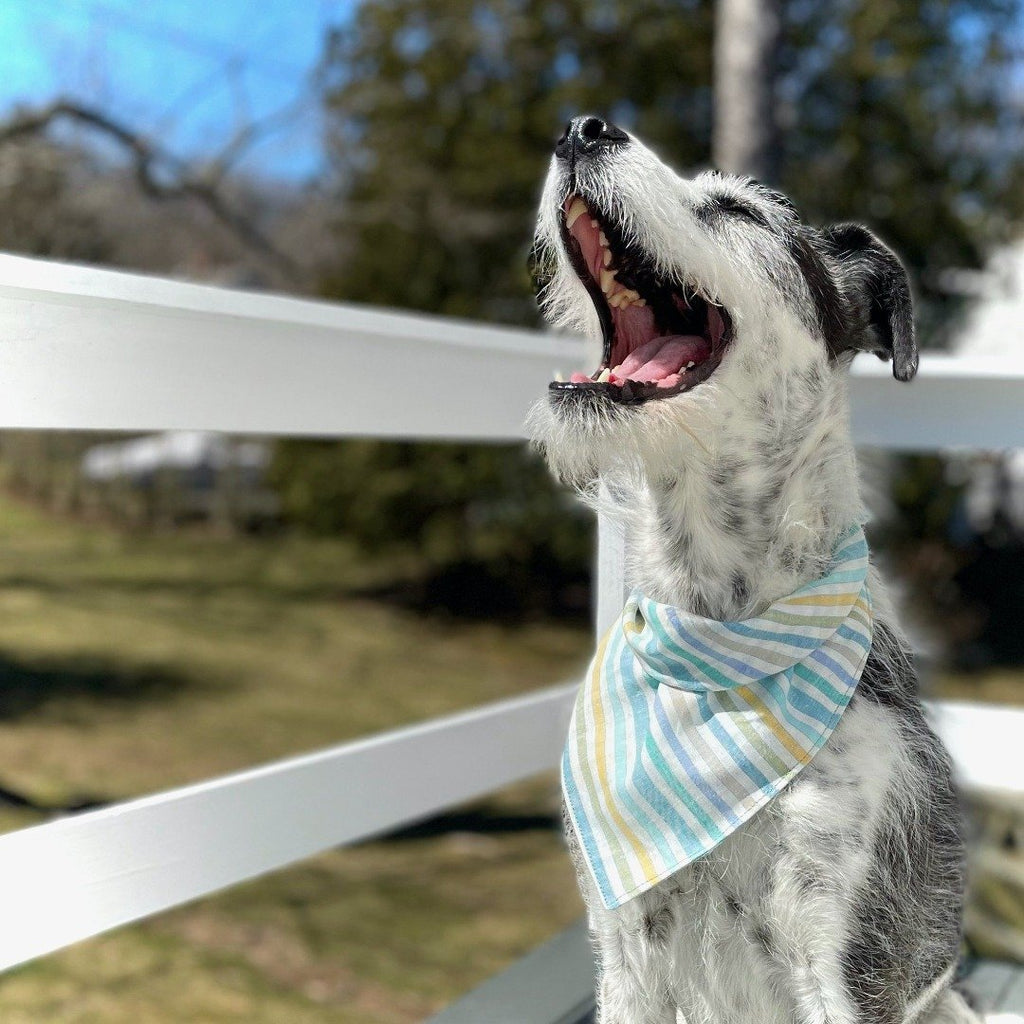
(132, 663)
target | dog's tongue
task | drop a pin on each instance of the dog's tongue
(659, 359)
(662, 357)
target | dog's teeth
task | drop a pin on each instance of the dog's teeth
(559, 376)
(690, 365)
(576, 210)
(641, 301)
(603, 238)
(607, 280)
(604, 375)
(607, 258)
(593, 222)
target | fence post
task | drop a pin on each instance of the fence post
(611, 570)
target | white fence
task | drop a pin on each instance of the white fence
(92, 349)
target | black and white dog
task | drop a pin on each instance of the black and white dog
(727, 453)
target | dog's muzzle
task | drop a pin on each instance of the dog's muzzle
(661, 336)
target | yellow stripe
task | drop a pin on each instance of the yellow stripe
(833, 599)
(650, 872)
(773, 723)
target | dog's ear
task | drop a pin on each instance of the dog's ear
(876, 291)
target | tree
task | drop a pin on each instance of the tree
(902, 114)
(441, 118)
(745, 138)
(158, 175)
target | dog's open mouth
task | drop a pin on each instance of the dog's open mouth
(660, 338)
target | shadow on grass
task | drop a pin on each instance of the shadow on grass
(85, 583)
(472, 591)
(478, 820)
(479, 590)
(27, 686)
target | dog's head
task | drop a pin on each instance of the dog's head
(721, 316)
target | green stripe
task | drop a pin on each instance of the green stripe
(786, 619)
(755, 740)
(672, 778)
(613, 839)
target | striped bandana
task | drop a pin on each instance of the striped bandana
(685, 727)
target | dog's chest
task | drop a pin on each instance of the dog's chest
(730, 926)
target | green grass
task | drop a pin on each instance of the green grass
(134, 663)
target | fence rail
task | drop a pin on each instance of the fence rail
(88, 873)
(88, 349)
(92, 349)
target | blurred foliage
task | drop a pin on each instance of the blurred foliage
(441, 118)
(490, 534)
(442, 115)
(901, 113)
(924, 499)
(41, 203)
(968, 573)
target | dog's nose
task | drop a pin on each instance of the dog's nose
(584, 136)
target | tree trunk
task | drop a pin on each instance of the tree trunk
(744, 139)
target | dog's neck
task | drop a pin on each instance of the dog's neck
(745, 523)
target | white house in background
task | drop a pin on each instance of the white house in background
(212, 475)
(994, 329)
(198, 452)
(995, 326)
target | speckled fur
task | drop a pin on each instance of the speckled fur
(840, 902)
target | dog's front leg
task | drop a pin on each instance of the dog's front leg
(634, 962)
(806, 927)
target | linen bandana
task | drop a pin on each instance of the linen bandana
(685, 727)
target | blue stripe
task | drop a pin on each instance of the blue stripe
(688, 765)
(779, 697)
(841, 699)
(807, 704)
(583, 830)
(723, 659)
(844, 673)
(742, 761)
(809, 643)
(858, 636)
(644, 785)
(684, 661)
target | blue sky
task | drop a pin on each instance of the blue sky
(188, 71)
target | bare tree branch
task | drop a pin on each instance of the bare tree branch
(250, 132)
(159, 173)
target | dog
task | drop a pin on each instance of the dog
(725, 451)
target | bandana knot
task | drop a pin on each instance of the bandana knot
(685, 727)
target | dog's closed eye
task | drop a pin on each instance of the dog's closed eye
(729, 204)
